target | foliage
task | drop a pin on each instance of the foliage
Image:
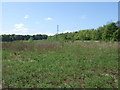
(109, 32)
(105, 33)
(30, 39)
(14, 37)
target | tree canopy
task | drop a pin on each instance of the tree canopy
(109, 32)
(14, 37)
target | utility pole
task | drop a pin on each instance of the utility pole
(57, 30)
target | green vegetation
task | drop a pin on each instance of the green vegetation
(81, 59)
(30, 39)
(14, 37)
(45, 64)
(110, 32)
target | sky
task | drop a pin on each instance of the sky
(43, 17)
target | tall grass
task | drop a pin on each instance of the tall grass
(47, 64)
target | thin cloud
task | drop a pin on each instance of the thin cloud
(49, 18)
(26, 16)
(67, 31)
(46, 33)
(83, 17)
(20, 28)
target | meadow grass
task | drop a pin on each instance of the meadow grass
(45, 64)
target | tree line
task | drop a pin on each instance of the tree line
(109, 32)
(14, 37)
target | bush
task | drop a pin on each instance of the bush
(30, 39)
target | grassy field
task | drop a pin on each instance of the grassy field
(45, 64)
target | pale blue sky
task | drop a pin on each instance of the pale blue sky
(43, 17)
